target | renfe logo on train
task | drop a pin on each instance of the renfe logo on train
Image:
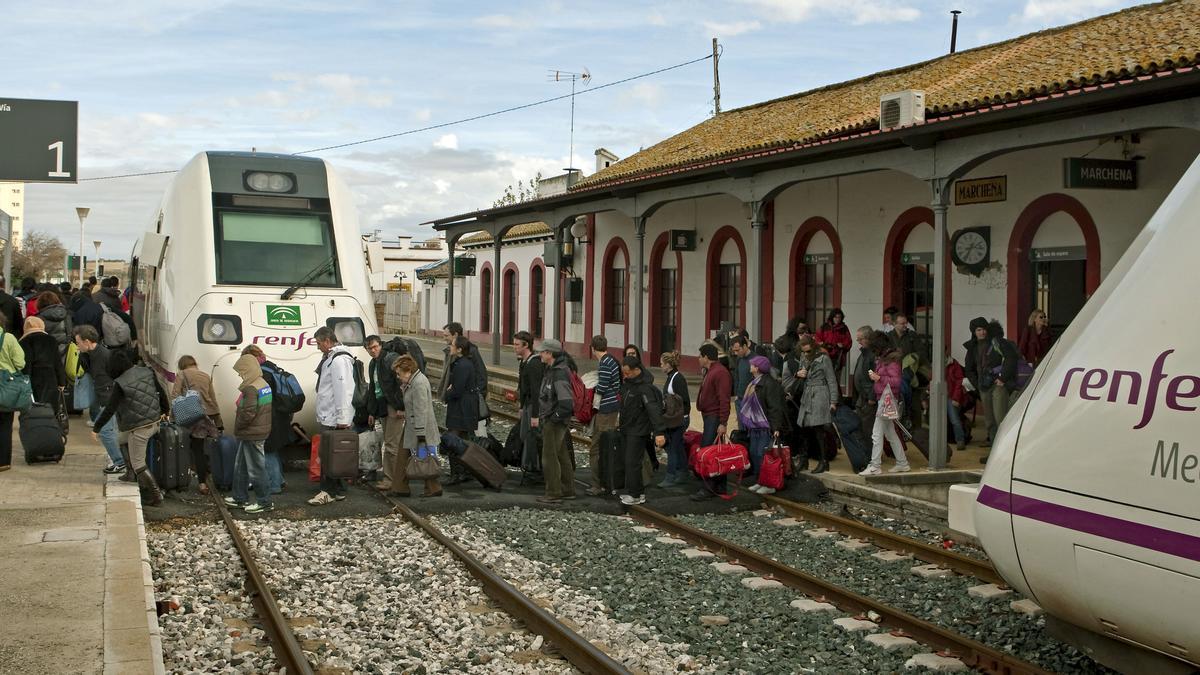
(283, 315)
(1100, 384)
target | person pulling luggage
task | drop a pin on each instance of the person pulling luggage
(138, 402)
(251, 426)
(335, 403)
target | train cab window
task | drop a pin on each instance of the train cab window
(275, 249)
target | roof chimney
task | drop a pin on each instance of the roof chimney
(604, 159)
(954, 30)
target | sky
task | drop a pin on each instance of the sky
(158, 82)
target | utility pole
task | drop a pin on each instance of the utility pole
(716, 79)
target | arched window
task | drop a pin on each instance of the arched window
(485, 299)
(616, 282)
(511, 298)
(816, 264)
(537, 299)
(726, 279)
(666, 268)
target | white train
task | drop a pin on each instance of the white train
(1090, 502)
(251, 248)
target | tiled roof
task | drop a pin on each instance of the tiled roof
(1136, 41)
(522, 231)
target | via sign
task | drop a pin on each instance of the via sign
(1110, 174)
(818, 258)
(39, 141)
(916, 258)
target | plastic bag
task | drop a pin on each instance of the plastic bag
(888, 408)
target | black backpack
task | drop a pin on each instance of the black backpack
(359, 400)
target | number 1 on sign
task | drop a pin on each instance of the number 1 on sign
(57, 147)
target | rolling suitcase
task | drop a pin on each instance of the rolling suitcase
(167, 457)
(41, 434)
(222, 453)
(848, 425)
(339, 453)
(483, 466)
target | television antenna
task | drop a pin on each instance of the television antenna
(566, 76)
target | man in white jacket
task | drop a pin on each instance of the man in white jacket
(335, 395)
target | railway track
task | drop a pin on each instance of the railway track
(973, 653)
(283, 641)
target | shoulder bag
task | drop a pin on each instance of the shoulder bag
(423, 464)
(187, 408)
(16, 391)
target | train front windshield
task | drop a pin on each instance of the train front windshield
(275, 249)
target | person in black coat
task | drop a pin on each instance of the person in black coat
(45, 369)
(640, 419)
(11, 309)
(677, 457)
(991, 368)
(462, 403)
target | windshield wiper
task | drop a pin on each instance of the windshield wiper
(321, 268)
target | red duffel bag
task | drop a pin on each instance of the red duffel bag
(723, 459)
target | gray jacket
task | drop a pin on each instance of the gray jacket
(419, 419)
(556, 401)
(820, 392)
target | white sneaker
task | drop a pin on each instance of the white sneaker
(321, 499)
(766, 490)
(754, 488)
(870, 471)
(900, 468)
(629, 500)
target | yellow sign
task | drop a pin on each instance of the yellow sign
(394, 287)
(981, 190)
(406, 286)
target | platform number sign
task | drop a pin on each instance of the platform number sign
(39, 141)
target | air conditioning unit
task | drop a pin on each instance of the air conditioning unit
(901, 108)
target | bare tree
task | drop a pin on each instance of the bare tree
(39, 255)
(525, 191)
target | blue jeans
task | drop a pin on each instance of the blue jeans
(275, 472)
(710, 430)
(251, 467)
(108, 435)
(760, 440)
(677, 459)
(960, 435)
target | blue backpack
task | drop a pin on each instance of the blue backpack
(288, 396)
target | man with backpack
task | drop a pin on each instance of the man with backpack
(640, 418)
(335, 401)
(991, 368)
(93, 356)
(530, 371)
(556, 404)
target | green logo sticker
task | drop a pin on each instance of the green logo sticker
(283, 315)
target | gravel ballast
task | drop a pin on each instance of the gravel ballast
(943, 601)
(685, 600)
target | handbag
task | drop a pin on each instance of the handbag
(722, 459)
(60, 413)
(751, 414)
(16, 391)
(887, 408)
(770, 474)
(784, 453)
(187, 408)
(85, 392)
(423, 464)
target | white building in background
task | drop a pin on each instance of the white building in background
(12, 202)
(401, 258)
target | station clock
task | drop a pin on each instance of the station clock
(971, 249)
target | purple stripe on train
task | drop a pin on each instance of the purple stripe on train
(1126, 531)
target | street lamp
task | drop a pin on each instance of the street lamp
(97, 243)
(82, 212)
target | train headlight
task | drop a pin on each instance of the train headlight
(269, 181)
(349, 331)
(220, 329)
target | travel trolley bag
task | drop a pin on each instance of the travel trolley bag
(222, 452)
(338, 451)
(41, 434)
(168, 457)
(483, 466)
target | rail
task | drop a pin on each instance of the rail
(287, 648)
(974, 654)
(581, 653)
(979, 569)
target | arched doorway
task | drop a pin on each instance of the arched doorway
(726, 293)
(511, 300)
(908, 273)
(485, 298)
(666, 298)
(816, 265)
(1053, 262)
(614, 291)
(537, 298)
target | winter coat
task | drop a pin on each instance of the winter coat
(1035, 345)
(741, 376)
(770, 396)
(983, 356)
(954, 385)
(419, 419)
(906, 343)
(193, 379)
(821, 391)
(253, 419)
(462, 397)
(529, 382)
(281, 422)
(89, 313)
(95, 363)
(713, 399)
(43, 366)
(58, 325)
(864, 388)
(837, 341)
(12, 357)
(641, 407)
(556, 402)
(382, 388)
(335, 388)
(677, 384)
(137, 400)
(110, 297)
(887, 367)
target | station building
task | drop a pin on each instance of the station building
(988, 182)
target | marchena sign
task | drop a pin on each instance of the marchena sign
(283, 315)
(39, 141)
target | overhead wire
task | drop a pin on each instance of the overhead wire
(443, 125)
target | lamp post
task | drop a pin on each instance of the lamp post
(96, 242)
(82, 212)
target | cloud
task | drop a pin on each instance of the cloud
(422, 114)
(498, 21)
(447, 142)
(730, 29)
(857, 11)
(1061, 11)
(648, 94)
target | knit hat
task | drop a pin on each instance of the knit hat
(762, 363)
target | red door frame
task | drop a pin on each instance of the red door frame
(893, 272)
(485, 299)
(537, 264)
(1020, 269)
(713, 291)
(509, 303)
(615, 244)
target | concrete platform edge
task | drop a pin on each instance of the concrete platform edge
(138, 648)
